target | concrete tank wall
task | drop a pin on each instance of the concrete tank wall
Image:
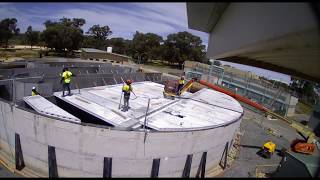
(80, 149)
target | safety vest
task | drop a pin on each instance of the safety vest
(67, 76)
(127, 88)
(33, 93)
(181, 81)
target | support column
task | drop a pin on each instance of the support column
(52, 162)
(155, 168)
(187, 166)
(107, 167)
(18, 153)
(202, 166)
(223, 160)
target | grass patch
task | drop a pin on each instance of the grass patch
(9, 53)
(162, 64)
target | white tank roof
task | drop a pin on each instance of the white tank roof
(201, 110)
(45, 107)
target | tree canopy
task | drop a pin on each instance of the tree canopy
(119, 45)
(8, 28)
(182, 46)
(145, 46)
(64, 34)
(98, 36)
(32, 37)
(67, 34)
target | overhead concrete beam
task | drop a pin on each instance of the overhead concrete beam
(204, 16)
(282, 37)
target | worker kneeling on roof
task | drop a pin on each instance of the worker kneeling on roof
(126, 89)
(180, 85)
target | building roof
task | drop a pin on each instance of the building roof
(92, 50)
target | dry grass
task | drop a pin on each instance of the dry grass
(8, 54)
(163, 67)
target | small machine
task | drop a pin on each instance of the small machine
(267, 150)
(170, 88)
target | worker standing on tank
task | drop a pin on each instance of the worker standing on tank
(126, 89)
(65, 79)
(34, 91)
(181, 84)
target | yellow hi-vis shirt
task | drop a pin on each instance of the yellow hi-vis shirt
(67, 76)
(181, 81)
(33, 93)
(127, 88)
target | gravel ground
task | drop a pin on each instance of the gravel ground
(4, 172)
(254, 137)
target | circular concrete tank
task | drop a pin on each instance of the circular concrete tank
(180, 132)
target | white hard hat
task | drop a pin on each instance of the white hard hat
(33, 87)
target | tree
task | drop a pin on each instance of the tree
(146, 46)
(32, 37)
(89, 42)
(182, 46)
(64, 34)
(8, 28)
(100, 35)
(118, 45)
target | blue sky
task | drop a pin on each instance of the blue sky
(124, 19)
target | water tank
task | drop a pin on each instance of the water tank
(109, 49)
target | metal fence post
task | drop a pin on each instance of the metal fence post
(145, 122)
(13, 92)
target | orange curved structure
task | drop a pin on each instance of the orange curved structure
(234, 95)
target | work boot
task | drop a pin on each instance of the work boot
(124, 109)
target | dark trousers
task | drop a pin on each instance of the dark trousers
(126, 102)
(64, 87)
(180, 86)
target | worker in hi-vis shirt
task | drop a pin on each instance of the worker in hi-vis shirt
(65, 79)
(181, 83)
(34, 91)
(126, 89)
